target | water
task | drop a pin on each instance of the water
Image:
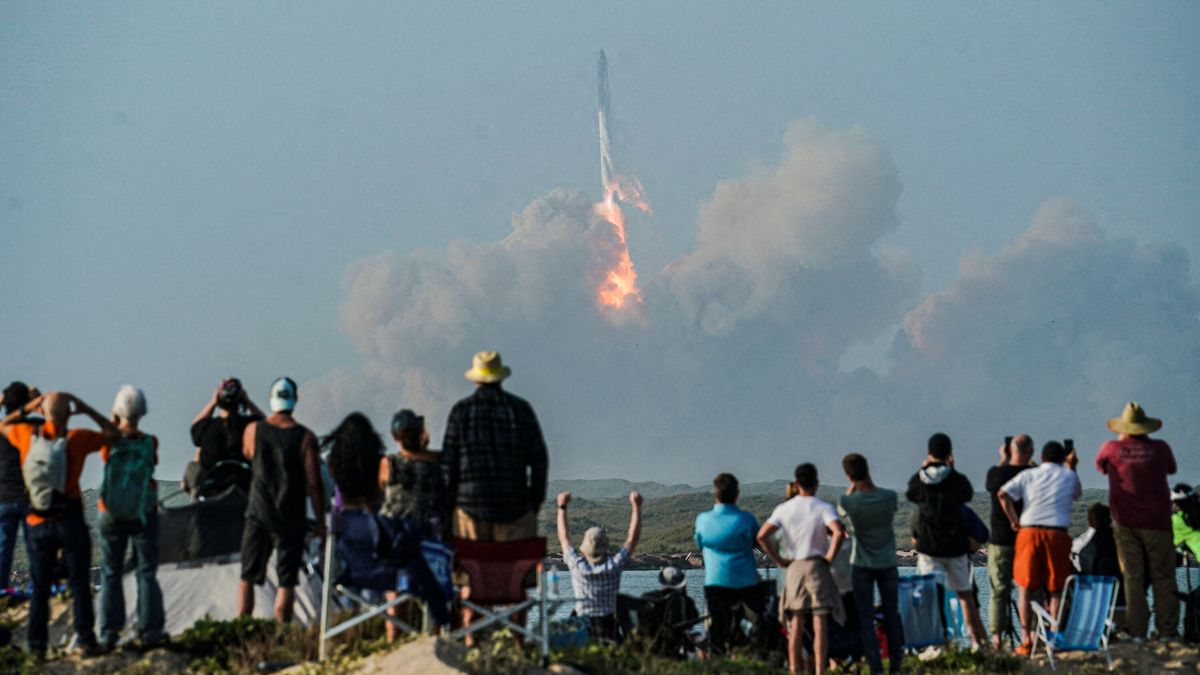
(637, 582)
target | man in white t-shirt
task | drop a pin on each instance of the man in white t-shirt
(1043, 548)
(805, 523)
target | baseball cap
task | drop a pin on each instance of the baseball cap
(283, 395)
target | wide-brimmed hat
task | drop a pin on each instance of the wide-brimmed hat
(487, 368)
(594, 546)
(1133, 420)
(672, 577)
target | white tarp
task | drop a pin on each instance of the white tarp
(195, 589)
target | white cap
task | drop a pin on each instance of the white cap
(283, 395)
(130, 403)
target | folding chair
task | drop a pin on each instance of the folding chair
(922, 611)
(1092, 599)
(364, 572)
(496, 589)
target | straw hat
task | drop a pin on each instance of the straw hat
(487, 368)
(1133, 420)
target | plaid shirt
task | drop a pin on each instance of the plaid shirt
(595, 586)
(494, 457)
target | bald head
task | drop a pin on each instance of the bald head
(56, 406)
(1022, 450)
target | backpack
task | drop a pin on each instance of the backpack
(127, 476)
(45, 472)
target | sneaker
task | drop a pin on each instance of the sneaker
(1024, 649)
(1169, 638)
(145, 645)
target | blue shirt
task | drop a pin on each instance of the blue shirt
(725, 536)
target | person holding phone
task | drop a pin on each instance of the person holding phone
(1014, 458)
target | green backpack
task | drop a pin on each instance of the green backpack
(127, 477)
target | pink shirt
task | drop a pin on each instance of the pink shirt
(1137, 470)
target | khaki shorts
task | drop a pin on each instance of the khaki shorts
(810, 588)
(957, 570)
(463, 526)
(466, 527)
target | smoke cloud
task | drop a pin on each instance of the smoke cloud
(734, 358)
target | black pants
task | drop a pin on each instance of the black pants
(725, 610)
(67, 533)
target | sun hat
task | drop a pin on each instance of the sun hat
(130, 403)
(1133, 420)
(672, 577)
(283, 395)
(487, 368)
(594, 546)
(407, 419)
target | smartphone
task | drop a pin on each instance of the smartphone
(1008, 446)
(1069, 444)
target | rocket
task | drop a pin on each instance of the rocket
(606, 162)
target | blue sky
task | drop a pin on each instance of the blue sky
(183, 186)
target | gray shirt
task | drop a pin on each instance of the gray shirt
(868, 516)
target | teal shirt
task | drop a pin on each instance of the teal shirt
(869, 516)
(725, 536)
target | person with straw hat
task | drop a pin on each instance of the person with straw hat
(1137, 467)
(493, 461)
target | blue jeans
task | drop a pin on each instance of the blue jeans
(12, 514)
(864, 580)
(67, 533)
(113, 539)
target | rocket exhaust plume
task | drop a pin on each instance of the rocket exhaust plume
(620, 283)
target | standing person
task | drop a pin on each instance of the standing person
(1137, 467)
(595, 575)
(942, 539)
(725, 535)
(128, 512)
(1043, 557)
(493, 462)
(1014, 458)
(285, 463)
(1185, 518)
(809, 589)
(13, 503)
(219, 439)
(869, 511)
(60, 526)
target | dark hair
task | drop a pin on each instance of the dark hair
(806, 477)
(1189, 506)
(855, 466)
(16, 395)
(354, 452)
(725, 488)
(1054, 452)
(940, 447)
(1099, 516)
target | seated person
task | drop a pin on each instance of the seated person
(1185, 518)
(668, 615)
(595, 575)
(218, 462)
(374, 549)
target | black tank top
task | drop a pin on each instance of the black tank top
(279, 486)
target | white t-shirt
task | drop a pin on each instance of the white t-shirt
(802, 521)
(1047, 492)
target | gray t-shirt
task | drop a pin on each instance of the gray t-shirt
(868, 516)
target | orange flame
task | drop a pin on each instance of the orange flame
(620, 283)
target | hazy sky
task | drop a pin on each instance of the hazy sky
(191, 190)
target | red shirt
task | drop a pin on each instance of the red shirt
(1137, 468)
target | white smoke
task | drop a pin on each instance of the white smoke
(734, 362)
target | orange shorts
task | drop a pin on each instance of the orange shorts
(1042, 558)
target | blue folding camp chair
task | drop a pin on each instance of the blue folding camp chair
(1088, 622)
(922, 611)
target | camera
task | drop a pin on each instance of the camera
(1007, 447)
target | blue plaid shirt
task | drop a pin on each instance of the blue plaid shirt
(596, 586)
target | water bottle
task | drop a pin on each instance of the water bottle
(552, 581)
